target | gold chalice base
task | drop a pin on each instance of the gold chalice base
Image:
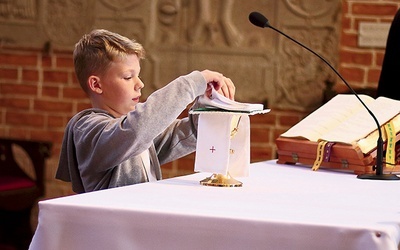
(220, 180)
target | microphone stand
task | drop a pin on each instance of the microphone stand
(378, 168)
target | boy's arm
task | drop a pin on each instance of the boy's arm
(103, 142)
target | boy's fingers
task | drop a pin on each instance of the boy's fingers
(227, 88)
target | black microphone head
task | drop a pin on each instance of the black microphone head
(258, 19)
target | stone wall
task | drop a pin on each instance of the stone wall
(183, 35)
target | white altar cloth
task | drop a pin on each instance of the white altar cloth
(278, 207)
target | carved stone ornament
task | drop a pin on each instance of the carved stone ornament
(181, 35)
(66, 20)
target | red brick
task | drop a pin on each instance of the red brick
(352, 74)
(346, 23)
(18, 89)
(373, 9)
(288, 120)
(345, 7)
(18, 132)
(30, 75)
(50, 91)
(259, 134)
(349, 40)
(379, 57)
(63, 52)
(24, 119)
(75, 93)
(373, 75)
(18, 60)
(56, 121)
(388, 19)
(75, 79)
(359, 58)
(55, 76)
(64, 62)
(269, 118)
(9, 74)
(52, 106)
(47, 61)
(16, 103)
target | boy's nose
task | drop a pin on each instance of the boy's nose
(139, 84)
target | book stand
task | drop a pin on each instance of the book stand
(335, 156)
(221, 180)
(222, 142)
(223, 146)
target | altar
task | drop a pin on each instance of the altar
(278, 207)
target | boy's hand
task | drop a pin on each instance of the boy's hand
(220, 83)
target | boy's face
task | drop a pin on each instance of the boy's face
(121, 85)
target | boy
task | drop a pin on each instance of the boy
(120, 141)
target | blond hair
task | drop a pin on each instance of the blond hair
(96, 50)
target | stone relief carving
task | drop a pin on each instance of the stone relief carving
(66, 20)
(121, 5)
(311, 8)
(18, 10)
(209, 34)
(183, 35)
(303, 77)
(214, 20)
(169, 14)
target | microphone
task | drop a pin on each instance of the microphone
(261, 21)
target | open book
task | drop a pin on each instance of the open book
(343, 119)
(218, 102)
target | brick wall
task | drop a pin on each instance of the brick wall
(361, 66)
(38, 95)
(39, 92)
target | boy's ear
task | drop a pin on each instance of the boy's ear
(94, 84)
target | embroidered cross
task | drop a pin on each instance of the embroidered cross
(212, 149)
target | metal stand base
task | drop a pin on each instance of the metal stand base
(384, 177)
(220, 180)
